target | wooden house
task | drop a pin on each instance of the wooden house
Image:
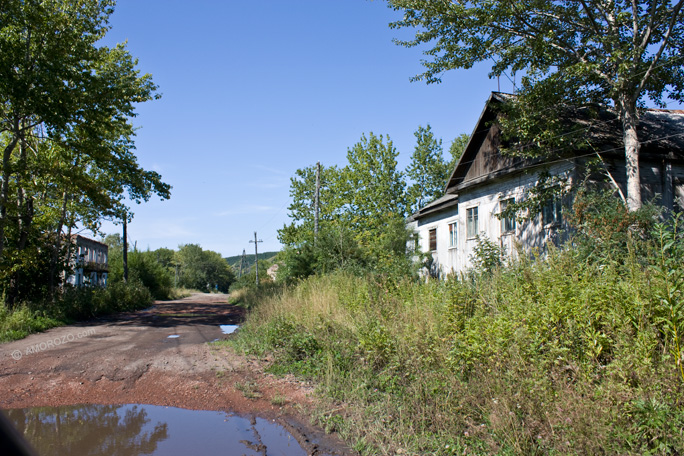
(485, 181)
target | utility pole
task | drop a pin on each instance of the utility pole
(243, 262)
(317, 200)
(125, 250)
(256, 256)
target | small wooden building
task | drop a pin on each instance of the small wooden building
(484, 182)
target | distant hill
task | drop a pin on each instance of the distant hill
(234, 261)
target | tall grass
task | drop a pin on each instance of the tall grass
(563, 355)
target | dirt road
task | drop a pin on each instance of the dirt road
(158, 356)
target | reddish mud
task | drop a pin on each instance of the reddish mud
(129, 358)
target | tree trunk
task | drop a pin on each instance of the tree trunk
(57, 246)
(630, 122)
(24, 221)
(4, 189)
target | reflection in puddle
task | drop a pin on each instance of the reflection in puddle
(228, 329)
(173, 336)
(131, 430)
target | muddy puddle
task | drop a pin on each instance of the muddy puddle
(228, 329)
(129, 430)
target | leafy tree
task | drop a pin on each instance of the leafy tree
(203, 269)
(362, 211)
(248, 279)
(143, 267)
(377, 198)
(167, 259)
(65, 131)
(456, 149)
(302, 209)
(618, 53)
(428, 171)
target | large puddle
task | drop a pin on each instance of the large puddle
(129, 430)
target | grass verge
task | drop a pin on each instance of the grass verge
(560, 356)
(73, 305)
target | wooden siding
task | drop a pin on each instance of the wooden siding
(488, 159)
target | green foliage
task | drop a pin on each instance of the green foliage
(149, 268)
(487, 256)
(234, 261)
(574, 55)
(428, 171)
(158, 270)
(66, 136)
(21, 321)
(298, 262)
(203, 269)
(143, 267)
(364, 205)
(87, 302)
(605, 228)
(372, 177)
(72, 305)
(456, 149)
(567, 353)
(302, 191)
(669, 290)
(248, 278)
(656, 427)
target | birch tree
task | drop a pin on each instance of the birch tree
(618, 53)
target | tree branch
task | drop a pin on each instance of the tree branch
(673, 21)
(635, 23)
(649, 28)
(590, 15)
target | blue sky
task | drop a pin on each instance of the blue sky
(252, 91)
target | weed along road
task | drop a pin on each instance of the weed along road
(161, 356)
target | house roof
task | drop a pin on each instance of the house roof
(445, 202)
(80, 240)
(480, 131)
(661, 135)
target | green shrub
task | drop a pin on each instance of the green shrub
(566, 354)
(144, 268)
(73, 304)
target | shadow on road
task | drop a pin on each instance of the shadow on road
(179, 313)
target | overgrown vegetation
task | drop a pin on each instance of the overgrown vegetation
(74, 304)
(578, 351)
(159, 274)
(67, 138)
(362, 208)
(165, 271)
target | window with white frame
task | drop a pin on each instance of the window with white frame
(453, 234)
(507, 223)
(472, 227)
